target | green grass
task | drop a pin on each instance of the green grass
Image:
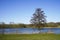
(30, 37)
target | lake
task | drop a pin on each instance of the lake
(29, 30)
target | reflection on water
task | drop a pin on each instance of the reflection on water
(29, 30)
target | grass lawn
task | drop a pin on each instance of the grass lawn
(30, 37)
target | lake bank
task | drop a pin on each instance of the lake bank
(31, 37)
(51, 27)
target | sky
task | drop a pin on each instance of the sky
(20, 11)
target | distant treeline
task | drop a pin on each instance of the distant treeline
(21, 25)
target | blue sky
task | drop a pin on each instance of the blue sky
(20, 11)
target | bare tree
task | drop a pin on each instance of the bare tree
(38, 19)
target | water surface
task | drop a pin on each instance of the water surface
(29, 30)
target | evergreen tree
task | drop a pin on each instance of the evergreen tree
(38, 19)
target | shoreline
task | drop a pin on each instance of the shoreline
(51, 27)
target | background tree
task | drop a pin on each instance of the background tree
(22, 25)
(38, 19)
(58, 23)
(52, 24)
